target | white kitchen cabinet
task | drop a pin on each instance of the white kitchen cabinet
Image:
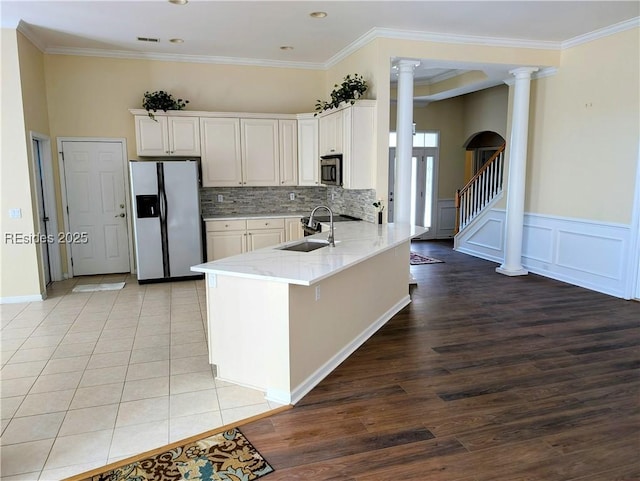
(230, 237)
(331, 133)
(225, 238)
(167, 136)
(260, 152)
(353, 134)
(221, 155)
(293, 229)
(308, 151)
(359, 149)
(288, 140)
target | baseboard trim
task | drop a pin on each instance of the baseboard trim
(323, 371)
(19, 299)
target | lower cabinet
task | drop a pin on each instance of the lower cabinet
(293, 229)
(231, 237)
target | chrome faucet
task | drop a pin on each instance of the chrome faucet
(312, 224)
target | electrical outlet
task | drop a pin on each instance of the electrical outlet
(292, 196)
(220, 198)
(15, 213)
(317, 293)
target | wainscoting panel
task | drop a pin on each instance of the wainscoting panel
(446, 223)
(588, 254)
(583, 253)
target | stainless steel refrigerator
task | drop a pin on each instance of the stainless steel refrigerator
(168, 225)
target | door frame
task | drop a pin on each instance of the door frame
(127, 192)
(435, 153)
(49, 199)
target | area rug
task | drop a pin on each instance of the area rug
(112, 286)
(417, 259)
(225, 456)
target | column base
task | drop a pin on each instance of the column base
(512, 273)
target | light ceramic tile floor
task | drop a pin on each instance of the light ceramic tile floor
(91, 378)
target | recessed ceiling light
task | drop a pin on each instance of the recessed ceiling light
(176, 40)
(179, 2)
(286, 47)
(318, 14)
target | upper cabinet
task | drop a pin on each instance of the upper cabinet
(260, 152)
(288, 136)
(167, 136)
(248, 152)
(351, 131)
(331, 133)
(221, 153)
(308, 152)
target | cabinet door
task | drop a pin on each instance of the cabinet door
(260, 152)
(288, 132)
(225, 244)
(184, 136)
(293, 229)
(308, 155)
(257, 239)
(152, 136)
(359, 135)
(331, 133)
(221, 164)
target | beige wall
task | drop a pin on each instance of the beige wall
(20, 272)
(486, 110)
(583, 143)
(91, 96)
(446, 117)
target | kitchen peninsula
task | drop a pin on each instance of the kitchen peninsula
(281, 320)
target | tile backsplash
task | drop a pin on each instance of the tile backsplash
(248, 201)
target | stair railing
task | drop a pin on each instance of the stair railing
(483, 187)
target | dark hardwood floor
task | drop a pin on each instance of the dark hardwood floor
(481, 378)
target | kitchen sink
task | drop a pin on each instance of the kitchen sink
(306, 245)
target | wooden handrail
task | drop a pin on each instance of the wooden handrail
(484, 167)
(474, 194)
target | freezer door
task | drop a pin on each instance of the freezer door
(184, 229)
(148, 240)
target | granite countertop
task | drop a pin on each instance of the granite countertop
(355, 242)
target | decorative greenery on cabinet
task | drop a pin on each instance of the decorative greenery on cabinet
(161, 100)
(350, 90)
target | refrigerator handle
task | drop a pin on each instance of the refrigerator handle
(163, 220)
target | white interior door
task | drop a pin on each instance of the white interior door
(95, 191)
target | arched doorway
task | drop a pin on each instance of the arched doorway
(480, 147)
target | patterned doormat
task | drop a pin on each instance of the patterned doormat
(223, 456)
(417, 259)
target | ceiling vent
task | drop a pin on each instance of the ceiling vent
(148, 39)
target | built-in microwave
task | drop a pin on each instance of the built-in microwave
(331, 169)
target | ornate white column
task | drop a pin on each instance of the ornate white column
(404, 145)
(512, 265)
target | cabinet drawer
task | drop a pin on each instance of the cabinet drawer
(225, 225)
(267, 223)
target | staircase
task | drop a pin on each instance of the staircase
(484, 187)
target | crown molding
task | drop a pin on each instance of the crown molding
(28, 32)
(360, 42)
(603, 32)
(125, 54)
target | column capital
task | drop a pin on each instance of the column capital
(523, 72)
(405, 65)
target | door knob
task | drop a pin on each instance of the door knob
(120, 215)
